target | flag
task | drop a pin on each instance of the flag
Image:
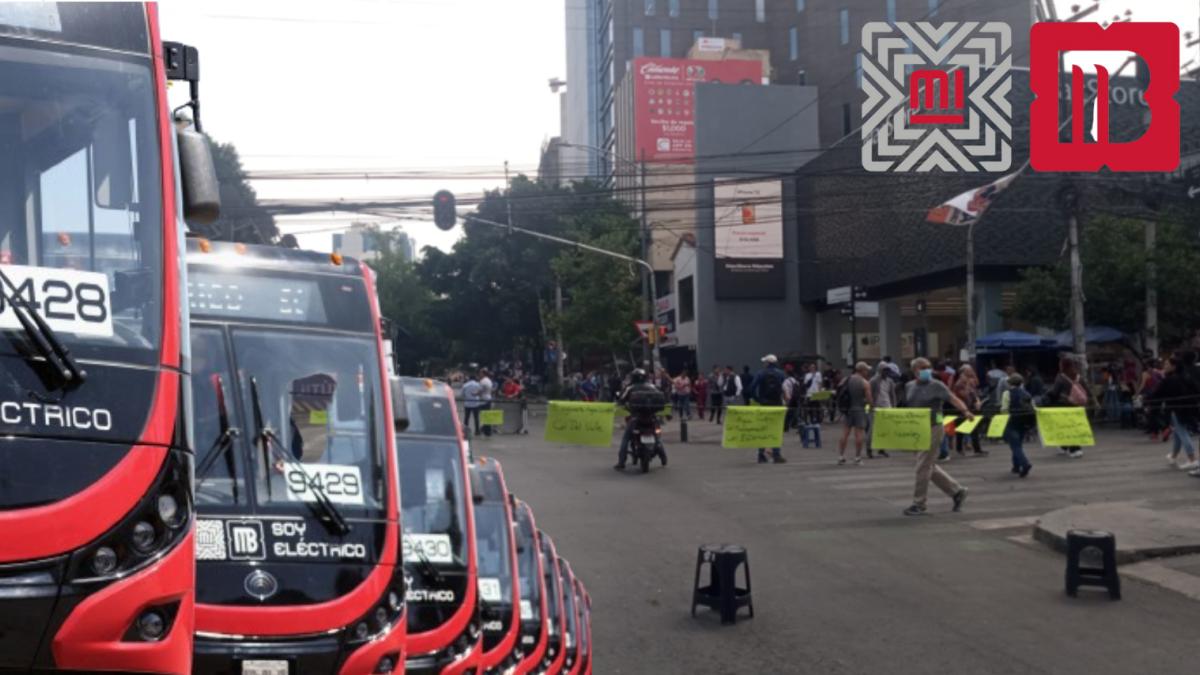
(968, 207)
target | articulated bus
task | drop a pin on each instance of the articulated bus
(444, 633)
(531, 643)
(499, 588)
(571, 611)
(297, 505)
(556, 622)
(96, 537)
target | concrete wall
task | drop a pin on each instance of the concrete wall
(743, 131)
(685, 266)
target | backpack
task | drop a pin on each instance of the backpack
(842, 398)
(731, 385)
(1020, 406)
(770, 388)
(1078, 395)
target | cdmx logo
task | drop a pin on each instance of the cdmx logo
(937, 97)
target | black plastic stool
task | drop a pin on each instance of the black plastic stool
(1105, 576)
(722, 592)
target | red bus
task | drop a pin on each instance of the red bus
(495, 547)
(584, 602)
(297, 505)
(556, 620)
(571, 641)
(96, 538)
(444, 633)
(531, 645)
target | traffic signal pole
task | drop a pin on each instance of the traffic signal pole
(654, 353)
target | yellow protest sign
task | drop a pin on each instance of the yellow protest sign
(949, 423)
(577, 423)
(967, 426)
(318, 417)
(997, 426)
(901, 429)
(1064, 427)
(753, 426)
(821, 396)
(491, 417)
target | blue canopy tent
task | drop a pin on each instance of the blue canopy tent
(1010, 340)
(1091, 335)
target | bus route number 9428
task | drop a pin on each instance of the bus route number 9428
(341, 483)
(71, 301)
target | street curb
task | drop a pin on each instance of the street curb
(1128, 521)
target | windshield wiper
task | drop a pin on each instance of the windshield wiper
(43, 337)
(273, 447)
(426, 567)
(223, 442)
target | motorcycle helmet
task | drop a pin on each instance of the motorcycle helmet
(638, 376)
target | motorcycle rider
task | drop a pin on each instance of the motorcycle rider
(638, 389)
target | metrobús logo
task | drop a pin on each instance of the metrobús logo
(1158, 148)
(937, 96)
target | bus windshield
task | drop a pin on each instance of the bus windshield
(492, 540)
(433, 501)
(568, 592)
(531, 600)
(553, 606)
(81, 232)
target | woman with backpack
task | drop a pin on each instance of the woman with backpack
(1018, 405)
(1067, 392)
(1177, 395)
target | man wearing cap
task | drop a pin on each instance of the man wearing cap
(928, 392)
(767, 389)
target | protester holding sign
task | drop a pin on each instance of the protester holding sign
(1017, 405)
(767, 389)
(928, 393)
(1067, 391)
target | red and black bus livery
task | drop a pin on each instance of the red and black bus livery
(571, 640)
(96, 549)
(584, 604)
(297, 530)
(437, 510)
(531, 642)
(556, 622)
(496, 550)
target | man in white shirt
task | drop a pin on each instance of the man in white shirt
(471, 404)
(814, 383)
(485, 398)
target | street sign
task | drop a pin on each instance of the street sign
(644, 328)
(866, 309)
(846, 310)
(859, 293)
(834, 296)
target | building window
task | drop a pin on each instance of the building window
(844, 25)
(687, 300)
(639, 42)
(793, 43)
(760, 11)
(845, 119)
(799, 5)
(712, 10)
(738, 37)
(891, 11)
(664, 43)
(650, 7)
(673, 8)
(933, 7)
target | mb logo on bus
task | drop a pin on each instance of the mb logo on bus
(246, 540)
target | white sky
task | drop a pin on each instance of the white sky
(374, 84)
(449, 85)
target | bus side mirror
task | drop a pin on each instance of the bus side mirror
(201, 191)
(399, 406)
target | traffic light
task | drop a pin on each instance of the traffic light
(444, 214)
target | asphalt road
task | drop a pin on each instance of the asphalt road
(843, 583)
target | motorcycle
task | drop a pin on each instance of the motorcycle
(646, 441)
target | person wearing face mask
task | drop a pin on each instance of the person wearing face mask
(928, 392)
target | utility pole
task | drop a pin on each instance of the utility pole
(558, 337)
(971, 291)
(1070, 202)
(649, 293)
(1151, 289)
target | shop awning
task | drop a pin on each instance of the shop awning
(1012, 339)
(1091, 335)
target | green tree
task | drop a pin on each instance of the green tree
(242, 219)
(1113, 254)
(407, 302)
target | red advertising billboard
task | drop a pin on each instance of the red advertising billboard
(663, 105)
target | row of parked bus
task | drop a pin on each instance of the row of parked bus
(206, 464)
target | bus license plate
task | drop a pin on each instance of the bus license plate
(265, 667)
(647, 439)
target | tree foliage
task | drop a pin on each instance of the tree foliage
(242, 219)
(491, 296)
(406, 301)
(1113, 254)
